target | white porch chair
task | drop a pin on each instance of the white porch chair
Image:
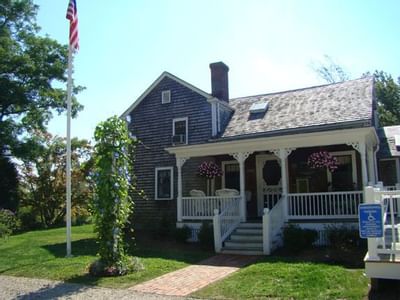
(197, 193)
(199, 206)
(226, 192)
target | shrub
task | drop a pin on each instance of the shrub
(297, 239)
(344, 238)
(124, 266)
(165, 227)
(182, 234)
(206, 236)
(29, 219)
(9, 223)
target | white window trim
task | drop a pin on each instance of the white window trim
(352, 153)
(162, 96)
(171, 169)
(223, 164)
(187, 127)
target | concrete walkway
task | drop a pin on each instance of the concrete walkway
(190, 279)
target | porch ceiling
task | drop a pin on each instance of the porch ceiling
(362, 135)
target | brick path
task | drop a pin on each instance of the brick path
(190, 279)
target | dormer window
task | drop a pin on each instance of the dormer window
(180, 131)
(165, 97)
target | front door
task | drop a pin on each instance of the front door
(269, 184)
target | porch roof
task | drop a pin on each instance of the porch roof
(333, 104)
(388, 146)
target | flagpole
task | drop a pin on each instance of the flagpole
(68, 175)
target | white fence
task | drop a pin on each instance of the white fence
(324, 205)
(272, 223)
(202, 208)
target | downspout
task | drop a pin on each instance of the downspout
(375, 159)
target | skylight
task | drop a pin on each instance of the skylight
(257, 108)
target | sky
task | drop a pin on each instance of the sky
(268, 45)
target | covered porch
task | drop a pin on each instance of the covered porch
(268, 171)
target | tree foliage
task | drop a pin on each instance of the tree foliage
(330, 71)
(30, 67)
(43, 178)
(112, 204)
(8, 184)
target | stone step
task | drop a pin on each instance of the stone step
(242, 252)
(243, 245)
(252, 231)
(245, 238)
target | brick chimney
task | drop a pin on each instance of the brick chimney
(219, 81)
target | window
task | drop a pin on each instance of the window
(165, 97)
(388, 171)
(345, 176)
(164, 183)
(180, 131)
(231, 175)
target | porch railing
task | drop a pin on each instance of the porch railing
(202, 208)
(225, 221)
(324, 205)
(272, 223)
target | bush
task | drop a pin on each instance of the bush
(344, 238)
(9, 223)
(126, 265)
(165, 227)
(29, 219)
(182, 234)
(297, 239)
(206, 236)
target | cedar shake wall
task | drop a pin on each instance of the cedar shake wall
(151, 123)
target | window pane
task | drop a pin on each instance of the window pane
(180, 127)
(232, 176)
(387, 172)
(164, 184)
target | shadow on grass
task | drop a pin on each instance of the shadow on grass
(84, 247)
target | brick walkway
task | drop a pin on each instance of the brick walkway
(190, 279)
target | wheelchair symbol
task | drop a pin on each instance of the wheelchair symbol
(371, 217)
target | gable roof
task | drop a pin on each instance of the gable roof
(155, 83)
(333, 104)
(387, 146)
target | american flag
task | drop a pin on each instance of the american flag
(72, 16)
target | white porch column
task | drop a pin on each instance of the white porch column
(283, 153)
(371, 167)
(241, 158)
(179, 163)
(361, 148)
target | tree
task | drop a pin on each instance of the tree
(30, 67)
(112, 204)
(43, 178)
(386, 88)
(8, 184)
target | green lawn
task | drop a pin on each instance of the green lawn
(41, 254)
(284, 278)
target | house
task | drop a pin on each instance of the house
(268, 147)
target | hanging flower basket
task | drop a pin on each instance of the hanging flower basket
(209, 170)
(323, 159)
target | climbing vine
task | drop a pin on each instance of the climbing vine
(112, 204)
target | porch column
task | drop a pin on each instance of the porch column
(361, 148)
(371, 167)
(241, 158)
(179, 163)
(283, 153)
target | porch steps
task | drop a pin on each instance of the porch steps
(246, 239)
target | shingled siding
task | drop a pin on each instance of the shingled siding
(151, 122)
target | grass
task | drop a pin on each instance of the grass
(280, 277)
(41, 254)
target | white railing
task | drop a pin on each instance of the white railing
(390, 242)
(272, 223)
(324, 205)
(202, 208)
(225, 222)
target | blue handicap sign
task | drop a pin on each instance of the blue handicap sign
(370, 220)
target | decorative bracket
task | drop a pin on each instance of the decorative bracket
(355, 145)
(285, 152)
(180, 161)
(240, 156)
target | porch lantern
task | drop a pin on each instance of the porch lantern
(322, 159)
(209, 170)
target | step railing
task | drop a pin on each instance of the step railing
(225, 222)
(272, 223)
(389, 243)
(330, 205)
(202, 208)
